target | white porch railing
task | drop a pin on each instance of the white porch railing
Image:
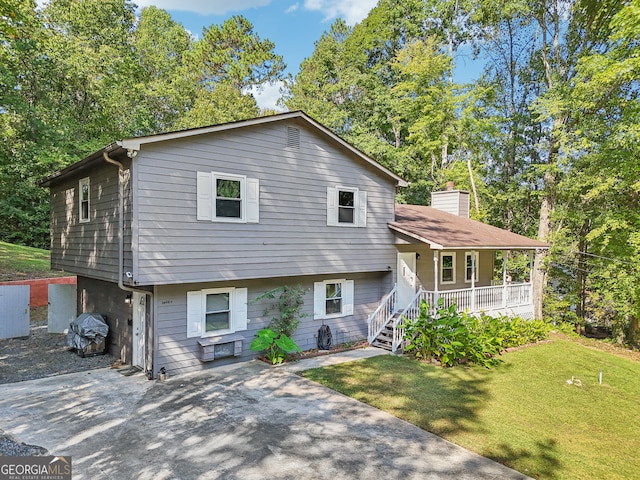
(486, 299)
(411, 312)
(495, 299)
(381, 316)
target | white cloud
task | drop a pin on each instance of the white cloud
(268, 95)
(205, 7)
(292, 8)
(353, 11)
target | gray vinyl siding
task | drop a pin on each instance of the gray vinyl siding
(292, 237)
(91, 248)
(179, 354)
(455, 202)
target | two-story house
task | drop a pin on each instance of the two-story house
(173, 235)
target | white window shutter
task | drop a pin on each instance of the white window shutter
(194, 314)
(253, 200)
(332, 206)
(319, 299)
(347, 298)
(240, 309)
(204, 196)
(362, 209)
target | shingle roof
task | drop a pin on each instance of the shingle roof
(442, 230)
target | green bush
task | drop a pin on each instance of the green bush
(454, 337)
(276, 346)
(515, 331)
(287, 306)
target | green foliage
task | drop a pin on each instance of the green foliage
(276, 346)
(512, 332)
(454, 337)
(288, 304)
(77, 75)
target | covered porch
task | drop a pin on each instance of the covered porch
(454, 260)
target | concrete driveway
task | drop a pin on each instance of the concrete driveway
(248, 421)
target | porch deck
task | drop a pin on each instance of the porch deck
(509, 299)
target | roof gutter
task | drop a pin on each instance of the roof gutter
(148, 366)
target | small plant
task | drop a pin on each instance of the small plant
(276, 346)
(288, 302)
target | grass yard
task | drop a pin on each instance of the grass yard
(24, 263)
(522, 413)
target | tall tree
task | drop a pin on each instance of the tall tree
(160, 45)
(603, 191)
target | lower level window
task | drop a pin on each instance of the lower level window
(333, 298)
(333, 295)
(216, 311)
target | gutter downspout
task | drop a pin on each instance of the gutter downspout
(121, 285)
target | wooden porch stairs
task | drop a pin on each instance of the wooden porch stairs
(385, 337)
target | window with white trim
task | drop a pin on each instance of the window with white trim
(84, 199)
(333, 298)
(346, 207)
(468, 266)
(447, 268)
(216, 311)
(225, 197)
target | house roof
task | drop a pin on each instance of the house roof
(445, 231)
(136, 143)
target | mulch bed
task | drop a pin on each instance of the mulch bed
(43, 354)
(316, 352)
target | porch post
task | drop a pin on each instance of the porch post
(504, 278)
(531, 259)
(435, 281)
(473, 281)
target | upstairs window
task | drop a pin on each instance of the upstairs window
(227, 198)
(85, 191)
(346, 207)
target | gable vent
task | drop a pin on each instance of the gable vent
(293, 137)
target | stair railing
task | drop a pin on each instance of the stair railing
(381, 316)
(411, 312)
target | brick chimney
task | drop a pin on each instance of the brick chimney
(451, 201)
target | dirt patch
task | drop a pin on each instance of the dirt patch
(43, 354)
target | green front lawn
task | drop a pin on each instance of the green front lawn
(522, 413)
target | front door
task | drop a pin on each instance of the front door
(139, 316)
(406, 279)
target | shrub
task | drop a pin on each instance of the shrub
(276, 346)
(515, 331)
(451, 337)
(454, 337)
(287, 305)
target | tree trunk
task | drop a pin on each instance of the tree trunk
(544, 230)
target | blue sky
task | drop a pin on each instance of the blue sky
(292, 25)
